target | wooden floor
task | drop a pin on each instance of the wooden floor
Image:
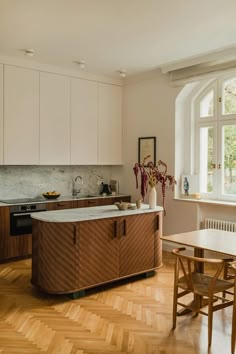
(133, 317)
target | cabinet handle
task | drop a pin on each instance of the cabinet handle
(74, 235)
(125, 227)
(61, 204)
(115, 228)
(157, 223)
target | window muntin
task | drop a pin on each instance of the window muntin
(206, 105)
(229, 96)
(206, 159)
(229, 159)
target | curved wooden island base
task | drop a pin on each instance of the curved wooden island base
(72, 256)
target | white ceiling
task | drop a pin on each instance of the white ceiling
(110, 35)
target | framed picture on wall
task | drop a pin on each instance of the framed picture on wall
(147, 147)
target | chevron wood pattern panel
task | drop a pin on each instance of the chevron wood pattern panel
(68, 257)
(137, 244)
(134, 317)
(57, 256)
(98, 252)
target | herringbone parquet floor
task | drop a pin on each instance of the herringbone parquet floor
(133, 317)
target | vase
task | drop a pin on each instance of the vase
(152, 198)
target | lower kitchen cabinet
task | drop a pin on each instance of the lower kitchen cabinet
(137, 251)
(4, 231)
(98, 252)
(62, 205)
(12, 246)
(69, 257)
(18, 246)
(85, 203)
(105, 201)
(57, 265)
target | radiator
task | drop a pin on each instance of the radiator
(219, 225)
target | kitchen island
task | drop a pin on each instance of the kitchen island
(76, 249)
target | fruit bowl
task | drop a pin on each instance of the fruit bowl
(122, 205)
(51, 195)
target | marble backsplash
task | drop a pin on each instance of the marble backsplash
(32, 181)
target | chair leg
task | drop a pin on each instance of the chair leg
(210, 319)
(233, 334)
(174, 314)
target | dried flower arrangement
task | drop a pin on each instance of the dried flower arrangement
(151, 175)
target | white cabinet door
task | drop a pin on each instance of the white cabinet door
(21, 116)
(1, 114)
(84, 122)
(110, 125)
(54, 119)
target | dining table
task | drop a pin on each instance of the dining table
(218, 241)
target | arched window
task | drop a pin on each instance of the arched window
(214, 117)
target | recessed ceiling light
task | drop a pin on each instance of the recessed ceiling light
(80, 63)
(29, 52)
(122, 73)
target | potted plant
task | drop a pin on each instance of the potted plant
(152, 175)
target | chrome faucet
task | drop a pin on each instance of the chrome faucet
(76, 191)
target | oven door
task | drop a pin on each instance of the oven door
(21, 223)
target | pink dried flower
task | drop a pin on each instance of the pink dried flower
(152, 175)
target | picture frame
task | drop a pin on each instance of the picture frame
(147, 146)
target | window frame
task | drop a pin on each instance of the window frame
(217, 121)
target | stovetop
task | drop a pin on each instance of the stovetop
(22, 200)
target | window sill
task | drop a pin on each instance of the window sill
(207, 201)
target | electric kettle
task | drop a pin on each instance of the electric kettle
(105, 189)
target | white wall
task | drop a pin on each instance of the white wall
(149, 110)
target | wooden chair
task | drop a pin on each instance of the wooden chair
(233, 334)
(189, 280)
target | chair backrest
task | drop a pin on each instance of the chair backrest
(185, 268)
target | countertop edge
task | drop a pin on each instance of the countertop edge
(67, 199)
(92, 213)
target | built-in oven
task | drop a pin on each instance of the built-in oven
(20, 219)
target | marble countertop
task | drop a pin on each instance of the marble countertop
(92, 213)
(68, 198)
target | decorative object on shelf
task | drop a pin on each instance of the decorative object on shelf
(51, 195)
(152, 175)
(138, 203)
(122, 205)
(188, 186)
(196, 195)
(105, 189)
(152, 198)
(147, 150)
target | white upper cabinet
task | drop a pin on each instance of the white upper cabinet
(21, 116)
(1, 114)
(54, 119)
(110, 125)
(84, 122)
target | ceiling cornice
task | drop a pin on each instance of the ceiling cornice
(220, 56)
